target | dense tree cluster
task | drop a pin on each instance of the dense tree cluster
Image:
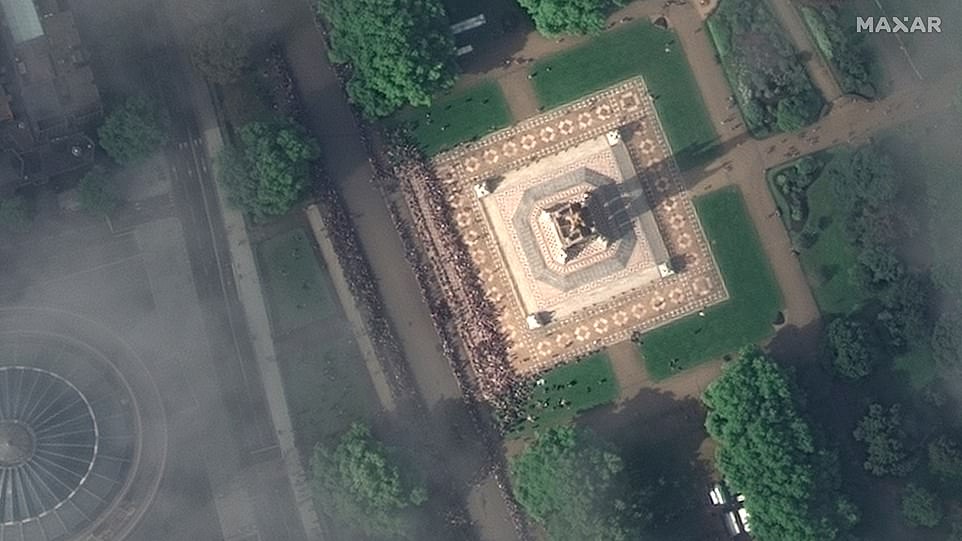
(221, 51)
(554, 17)
(768, 452)
(363, 486)
(884, 437)
(793, 182)
(843, 48)
(576, 488)
(763, 69)
(400, 51)
(851, 356)
(135, 130)
(921, 507)
(904, 311)
(267, 171)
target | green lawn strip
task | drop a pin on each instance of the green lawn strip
(456, 117)
(743, 319)
(297, 289)
(827, 261)
(325, 383)
(637, 49)
(582, 385)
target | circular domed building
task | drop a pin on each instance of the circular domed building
(82, 434)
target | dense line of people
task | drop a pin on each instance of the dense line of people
(357, 270)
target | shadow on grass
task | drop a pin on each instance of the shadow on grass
(664, 456)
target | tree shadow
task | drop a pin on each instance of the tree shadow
(660, 439)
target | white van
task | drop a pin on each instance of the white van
(717, 495)
(731, 523)
(744, 517)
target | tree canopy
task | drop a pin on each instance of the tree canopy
(268, 170)
(97, 192)
(921, 507)
(767, 451)
(850, 354)
(945, 458)
(554, 17)
(400, 51)
(220, 51)
(576, 488)
(358, 480)
(884, 437)
(947, 341)
(134, 130)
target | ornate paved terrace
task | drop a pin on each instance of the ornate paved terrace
(609, 147)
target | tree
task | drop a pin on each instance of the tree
(904, 310)
(15, 214)
(920, 507)
(97, 192)
(878, 267)
(267, 172)
(554, 17)
(362, 484)
(400, 51)
(947, 340)
(945, 458)
(851, 357)
(768, 452)
(882, 433)
(576, 488)
(135, 130)
(220, 51)
(794, 113)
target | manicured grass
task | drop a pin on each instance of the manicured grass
(580, 386)
(297, 290)
(638, 49)
(745, 318)
(827, 262)
(456, 117)
(325, 383)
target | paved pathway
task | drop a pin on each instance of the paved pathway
(258, 326)
(348, 302)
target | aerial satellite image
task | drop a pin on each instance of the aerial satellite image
(480, 270)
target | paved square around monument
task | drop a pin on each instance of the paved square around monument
(609, 144)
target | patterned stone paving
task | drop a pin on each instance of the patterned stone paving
(627, 108)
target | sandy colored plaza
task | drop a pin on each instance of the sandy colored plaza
(580, 226)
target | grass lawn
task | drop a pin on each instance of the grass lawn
(326, 385)
(745, 318)
(456, 117)
(638, 49)
(581, 385)
(826, 262)
(296, 290)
